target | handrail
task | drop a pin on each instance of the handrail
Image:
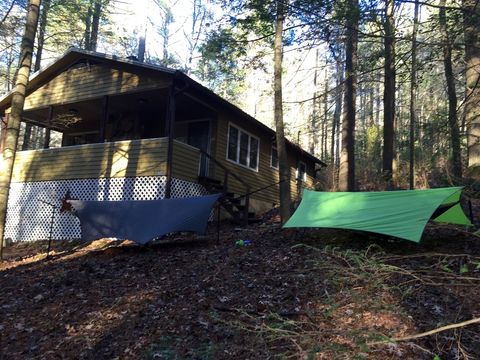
(259, 189)
(228, 172)
(225, 168)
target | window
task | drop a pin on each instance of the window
(301, 171)
(274, 158)
(242, 148)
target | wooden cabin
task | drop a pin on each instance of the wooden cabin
(119, 129)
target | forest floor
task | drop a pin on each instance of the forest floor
(288, 294)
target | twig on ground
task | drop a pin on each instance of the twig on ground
(427, 333)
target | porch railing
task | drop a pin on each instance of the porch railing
(226, 174)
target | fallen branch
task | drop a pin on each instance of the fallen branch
(427, 333)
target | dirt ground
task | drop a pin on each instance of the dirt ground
(287, 294)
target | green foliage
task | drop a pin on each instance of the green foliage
(221, 63)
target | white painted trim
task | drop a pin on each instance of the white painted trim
(304, 174)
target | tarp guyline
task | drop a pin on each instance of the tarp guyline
(142, 221)
(402, 213)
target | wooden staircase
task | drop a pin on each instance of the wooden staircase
(236, 207)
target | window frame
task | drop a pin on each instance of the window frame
(250, 136)
(271, 157)
(297, 175)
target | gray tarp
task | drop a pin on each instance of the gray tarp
(142, 221)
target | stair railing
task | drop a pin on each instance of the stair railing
(226, 174)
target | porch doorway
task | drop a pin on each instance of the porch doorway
(198, 135)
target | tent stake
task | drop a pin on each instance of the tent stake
(50, 232)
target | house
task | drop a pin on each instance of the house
(129, 130)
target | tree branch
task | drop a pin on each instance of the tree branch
(428, 333)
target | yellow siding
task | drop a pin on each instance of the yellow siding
(147, 157)
(87, 83)
(186, 161)
(266, 175)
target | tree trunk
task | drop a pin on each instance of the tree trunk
(284, 167)
(335, 162)
(38, 60)
(97, 11)
(141, 47)
(325, 116)
(347, 157)
(18, 99)
(413, 98)
(452, 94)
(389, 94)
(41, 34)
(471, 23)
(313, 120)
(88, 26)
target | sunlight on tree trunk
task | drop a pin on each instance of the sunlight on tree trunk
(18, 99)
(472, 82)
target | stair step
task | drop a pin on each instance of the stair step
(235, 202)
(251, 214)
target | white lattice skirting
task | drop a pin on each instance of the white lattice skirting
(29, 215)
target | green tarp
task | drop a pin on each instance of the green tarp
(402, 213)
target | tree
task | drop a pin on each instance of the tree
(41, 33)
(15, 116)
(347, 157)
(452, 94)
(92, 23)
(283, 165)
(335, 144)
(471, 22)
(389, 93)
(413, 98)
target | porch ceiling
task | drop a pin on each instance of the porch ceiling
(86, 116)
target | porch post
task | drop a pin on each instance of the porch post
(103, 122)
(170, 119)
(3, 135)
(3, 131)
(46, 141)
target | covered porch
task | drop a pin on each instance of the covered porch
(111, 119)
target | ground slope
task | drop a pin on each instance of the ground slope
(313, 295)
